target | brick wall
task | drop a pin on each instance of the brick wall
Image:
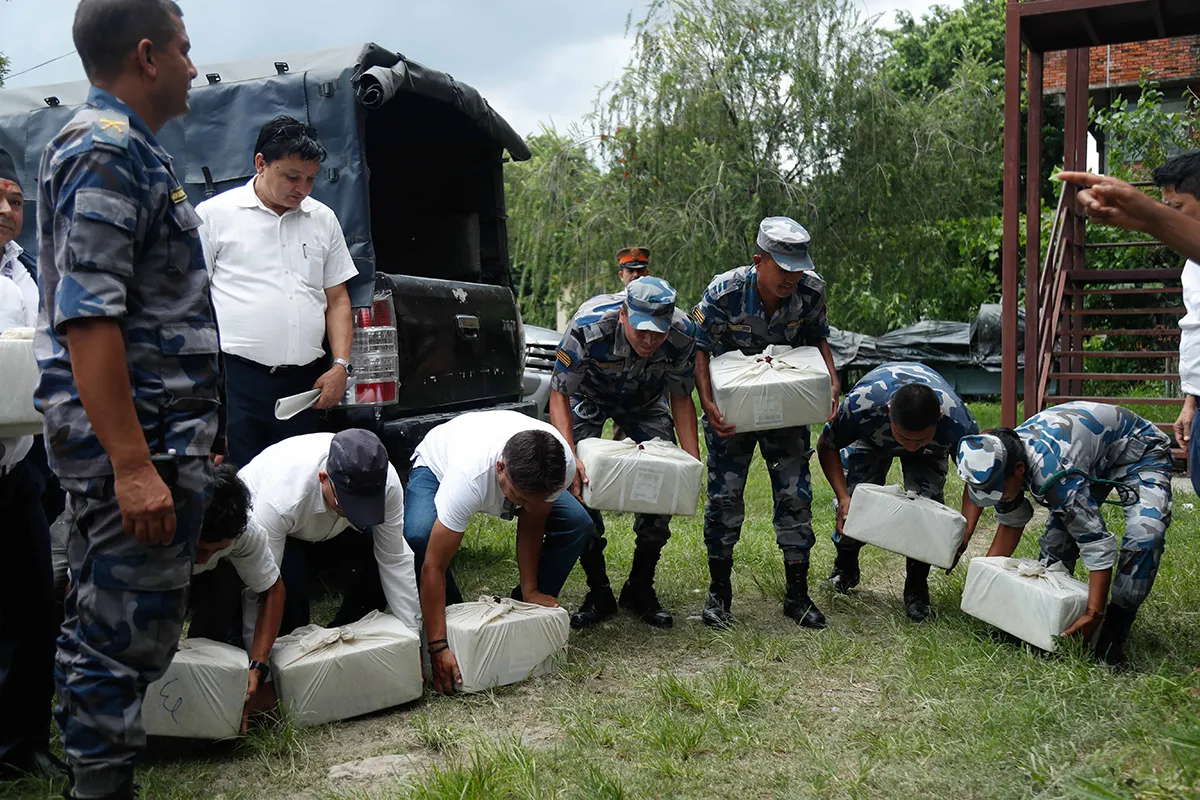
(1173, 60)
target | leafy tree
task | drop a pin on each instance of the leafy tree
(926, 53)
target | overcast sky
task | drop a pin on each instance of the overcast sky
(534, 60)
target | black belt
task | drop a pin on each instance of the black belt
(272, 370)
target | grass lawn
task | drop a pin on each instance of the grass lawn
(874, 706)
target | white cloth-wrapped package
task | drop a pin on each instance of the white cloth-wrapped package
(781, 387)
(18, 417)
(327, 674)
(905, 523)
(501, 641)
(201, 694)
(1022, 597)
(654, 477)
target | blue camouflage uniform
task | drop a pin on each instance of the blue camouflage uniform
(119, 240)
(862, 431)
(1075, 453)
(606, 379)
(731, 316)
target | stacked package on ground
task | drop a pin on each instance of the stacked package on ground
(501, 641)
(1023, 597)
(654, 477)
(781, 387)
(327, 674)
(18, 417)
(906, 523)
(201, 694)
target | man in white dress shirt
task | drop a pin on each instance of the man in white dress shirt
(279, 266)
(26, 578)
(501, 463)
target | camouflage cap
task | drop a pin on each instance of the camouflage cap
(981, 462)
(786, 241)
(650, 304)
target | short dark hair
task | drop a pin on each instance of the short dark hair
(1182, 172)
(915, 407)
(107, 31)
(229, 510)
(1014, 450)
(535, 461)
(287, 136)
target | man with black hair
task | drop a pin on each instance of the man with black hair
(501, 463)
(130, 386)
(906, 410)
(1071, 458)
(279, 266)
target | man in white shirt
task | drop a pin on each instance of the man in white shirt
(501, 463)
(279, 266)
(26, 577)
(312, 488)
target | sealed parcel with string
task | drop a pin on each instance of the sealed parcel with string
(655, 477)
(498, 641)
(201, 694)
(328, 674)
(18, 417)
(905, 523)
(1023, 597)
(781, 387)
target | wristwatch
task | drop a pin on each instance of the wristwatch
(346, 365)
(264, 671)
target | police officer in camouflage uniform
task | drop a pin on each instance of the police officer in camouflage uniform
(1071, 458)
(903, 410)
(130, 386)
(779, 299)
(620, 357)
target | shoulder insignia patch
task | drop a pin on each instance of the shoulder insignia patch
(698, 315)
(563, 357)
(742, 328)
(794, 323)
(113, 129)
(178, 195)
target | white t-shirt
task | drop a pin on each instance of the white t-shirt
(250, 557)
(463, 454)
(269, 274)
(1189, 337)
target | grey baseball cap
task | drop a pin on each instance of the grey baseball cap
(786, 241)
(358, 468)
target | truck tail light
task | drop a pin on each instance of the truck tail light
(375, 353)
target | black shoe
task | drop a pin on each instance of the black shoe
(916, 592)
(598, 606)
(1110, 644)
(796, 603)
(716, 613)
(41, 764)
(129, 791)
(638, 595)
(845, 575)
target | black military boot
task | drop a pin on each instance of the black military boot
(916, 592)
(845, 575)
(720, 594)
(1110, 644)
(599, 604)
(638, 595)
(797, 604)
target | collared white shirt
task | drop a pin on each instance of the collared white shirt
(1189, 338)
(269, 274)
(251, 558)
(283, 482)
(18, 309)
(463, 453)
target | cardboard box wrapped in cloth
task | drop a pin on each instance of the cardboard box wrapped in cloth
(201, 694)
(18, 417)
(906, 523)
(1022, 597)
(498, 641)
(327, 674)
(654, 477)
(781, 387)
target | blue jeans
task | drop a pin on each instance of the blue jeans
(1194, 453)
(568, 529)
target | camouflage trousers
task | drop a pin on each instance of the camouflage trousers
(654, 422)
(924, 473)
(787, 454)
(124, 614)
(1142, 545)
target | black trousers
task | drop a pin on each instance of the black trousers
(27, 617)
(251, 391)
